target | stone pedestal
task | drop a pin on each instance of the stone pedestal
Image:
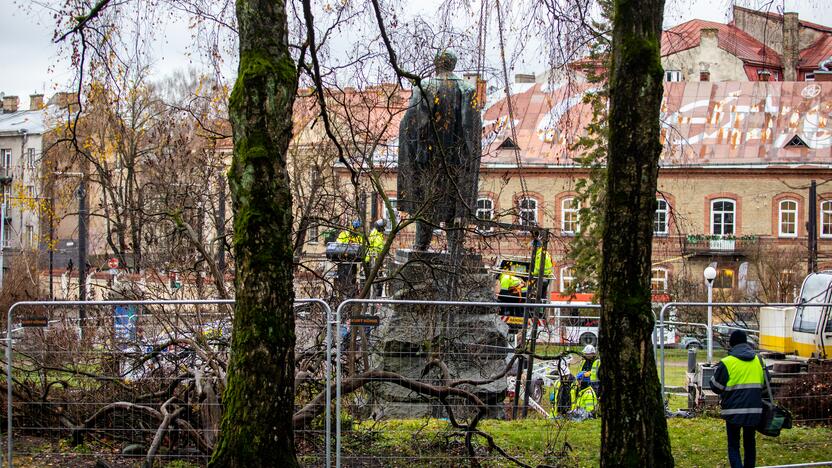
(471, 341)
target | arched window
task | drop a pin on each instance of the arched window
(723, 213)
(388, 225)
(569, 222)
(658, 280)
(567, 278)
(826, 219)
(787, 219)
(528, 211)
(485, 211)
(660, 220)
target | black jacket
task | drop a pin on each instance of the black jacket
(741, 404)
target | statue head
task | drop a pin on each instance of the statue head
(444, 61)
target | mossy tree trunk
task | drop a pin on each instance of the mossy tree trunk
(634, 430)
(258, 402)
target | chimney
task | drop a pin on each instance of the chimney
(63, 99)
(791, 46)
(35, 101)
(471, 77)
(704, 72)
(708, 51)
(479, 85)
(709, 38)
(10, 104)
(524, 78)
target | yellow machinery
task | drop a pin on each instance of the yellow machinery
(805, 330)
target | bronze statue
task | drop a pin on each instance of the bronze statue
(440, 145)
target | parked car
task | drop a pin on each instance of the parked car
(722, 334)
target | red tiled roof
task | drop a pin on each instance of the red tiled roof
(821, 50)
(703, 123)
(729, 38)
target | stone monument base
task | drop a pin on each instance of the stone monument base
(471, 341)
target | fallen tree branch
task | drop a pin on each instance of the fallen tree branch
(167, 417)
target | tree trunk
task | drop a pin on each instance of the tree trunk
(634, 429)
(258, 403)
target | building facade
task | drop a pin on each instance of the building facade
(741, 148)
(21, 146)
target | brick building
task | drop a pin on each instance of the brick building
(741, 147)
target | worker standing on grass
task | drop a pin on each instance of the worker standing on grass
(739, 380)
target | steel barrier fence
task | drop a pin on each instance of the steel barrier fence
(439, 328)
(428, 341)
(129, 365)
(802, 385)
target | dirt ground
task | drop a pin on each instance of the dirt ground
(39, 452)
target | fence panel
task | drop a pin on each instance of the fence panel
(447, 362)
(803, 385)
(96, 380)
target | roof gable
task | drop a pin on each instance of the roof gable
(729, 38)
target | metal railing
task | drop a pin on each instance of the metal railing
(11, 329)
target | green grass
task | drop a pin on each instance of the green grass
(696, 443)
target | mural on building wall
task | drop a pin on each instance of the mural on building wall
(702, 123)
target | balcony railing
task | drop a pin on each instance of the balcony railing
(706, 244)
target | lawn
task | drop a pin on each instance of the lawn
(696, 443)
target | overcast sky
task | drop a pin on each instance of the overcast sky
(32, 64)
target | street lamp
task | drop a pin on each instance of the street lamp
(710, 275)
(83, 220)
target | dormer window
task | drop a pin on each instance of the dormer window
(508, 143)
(796, 142)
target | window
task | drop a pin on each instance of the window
(810, 77)
(567, 279)
(386, 215)
(660, 220)
(788, 218)
(485, 211)
(673, 75)
(724, 279)
(569, 222)
(30, 158)
(312, 233)
(7, 158)
(722, 217)
(826, 219)
(30, 236)
(658, 280)
(815, 291)
(528, 211)
(796, 142)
